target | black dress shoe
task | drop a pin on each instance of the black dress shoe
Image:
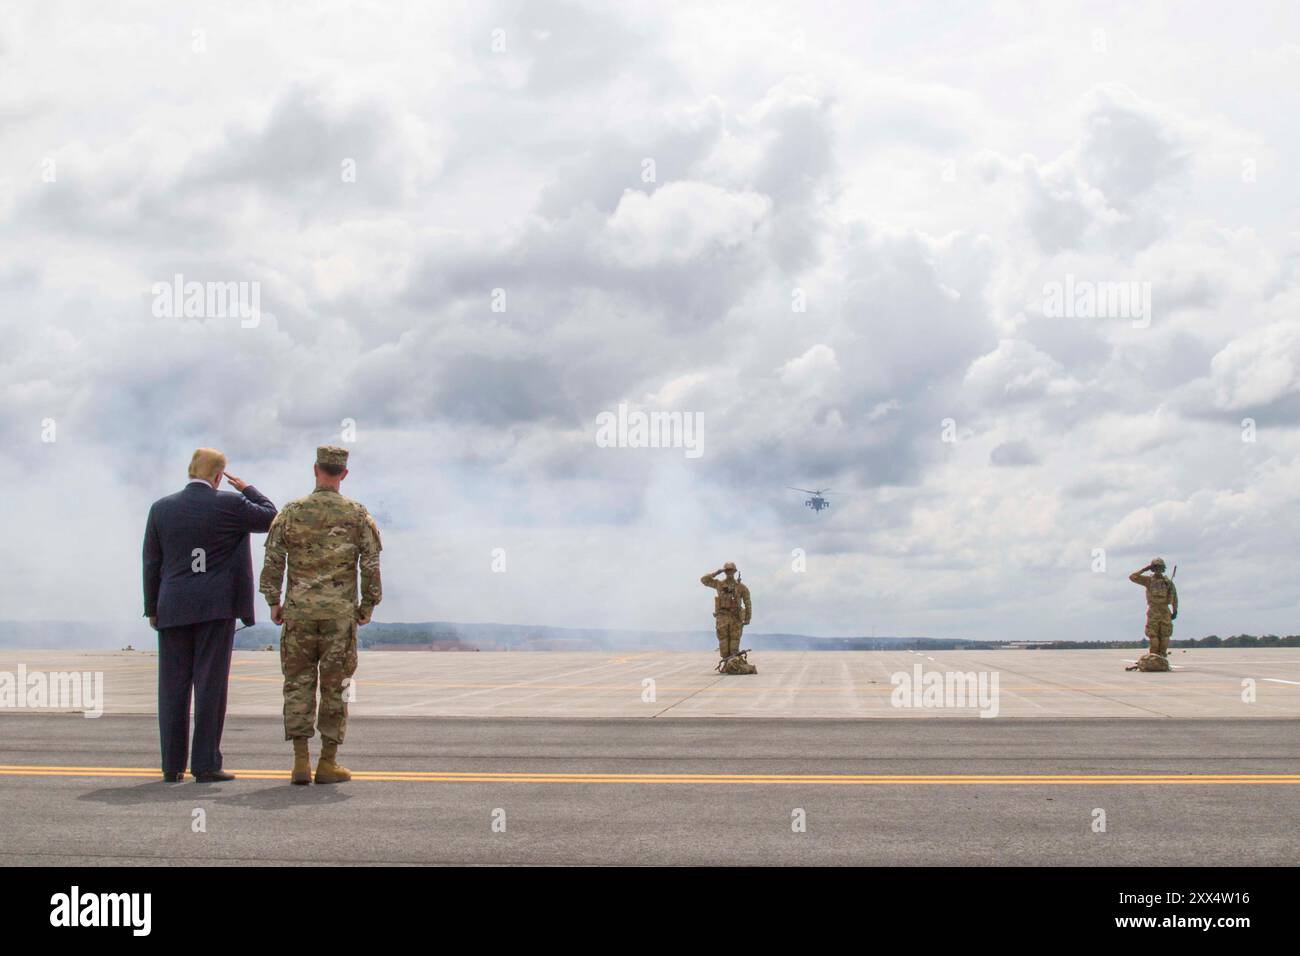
(213, 776)
(174, 777)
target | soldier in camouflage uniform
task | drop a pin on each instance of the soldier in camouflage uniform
(1162, 605)
(325, 538)
(732, 610)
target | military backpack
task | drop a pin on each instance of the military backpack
(737, 664)
(1149, 662)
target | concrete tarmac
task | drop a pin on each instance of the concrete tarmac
(844, 684)
(575, 759)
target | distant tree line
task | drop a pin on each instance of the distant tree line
(1213, 640)
(1243, 640)
(403, 634)
(437, 637)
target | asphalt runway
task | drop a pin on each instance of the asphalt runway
(948, 791)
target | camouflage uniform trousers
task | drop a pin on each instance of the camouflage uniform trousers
(729, 628)
(327, 647)
(1160, 627)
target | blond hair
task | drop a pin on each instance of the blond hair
(207, 463)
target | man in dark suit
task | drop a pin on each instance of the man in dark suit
(198, 578)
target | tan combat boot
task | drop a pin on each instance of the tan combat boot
(301, 761)
(327, 771)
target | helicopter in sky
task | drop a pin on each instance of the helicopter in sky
(817, 502)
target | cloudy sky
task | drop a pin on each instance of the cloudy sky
(834, 232)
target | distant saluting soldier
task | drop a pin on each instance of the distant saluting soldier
(324, 538)
(1162, 605)
(732, 610)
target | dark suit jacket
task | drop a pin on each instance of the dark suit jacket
(219, 522)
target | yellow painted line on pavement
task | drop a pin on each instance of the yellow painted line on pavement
(735, 779)
(1225, 685)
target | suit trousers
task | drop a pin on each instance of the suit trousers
(193, 658)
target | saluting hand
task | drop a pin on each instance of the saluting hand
(239, 484)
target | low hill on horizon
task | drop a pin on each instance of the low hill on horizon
(458, 636)
(452, 636)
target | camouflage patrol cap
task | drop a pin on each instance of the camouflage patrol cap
(729, 566)
(332, 455)
(1157, 562)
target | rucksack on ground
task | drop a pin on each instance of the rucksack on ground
(1149, 662)
(739, 664)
